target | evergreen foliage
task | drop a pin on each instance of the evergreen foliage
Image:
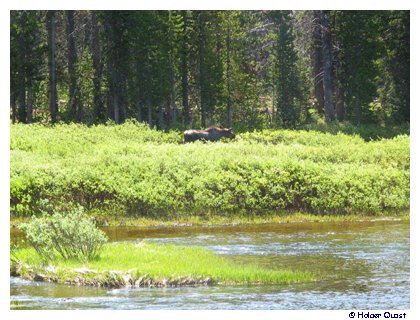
(182, 69)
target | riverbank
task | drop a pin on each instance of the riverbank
(218, 220)
(132, 172)
(148, 265)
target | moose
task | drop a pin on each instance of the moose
(210, 134)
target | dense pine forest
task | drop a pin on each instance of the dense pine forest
(182, 69)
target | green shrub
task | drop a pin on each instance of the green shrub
(72, 236)
(130, 169)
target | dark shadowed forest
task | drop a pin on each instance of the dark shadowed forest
(182, 69)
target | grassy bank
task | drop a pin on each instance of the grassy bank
(219, 220)
(145, 264)
(132, 171)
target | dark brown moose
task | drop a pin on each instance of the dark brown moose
(210, 134)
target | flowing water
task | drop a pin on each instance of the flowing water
(363, 265)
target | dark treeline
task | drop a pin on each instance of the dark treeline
(181, 69)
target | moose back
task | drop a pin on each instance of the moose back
(209, 134)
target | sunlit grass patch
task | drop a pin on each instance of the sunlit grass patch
(160, 264)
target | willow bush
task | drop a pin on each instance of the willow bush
(132, 170)
(71, 235)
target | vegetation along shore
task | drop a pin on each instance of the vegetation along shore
(148, 265)
(129, 171)
(68, 248)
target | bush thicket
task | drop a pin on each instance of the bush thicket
(133, 170)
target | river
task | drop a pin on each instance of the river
(363, 265)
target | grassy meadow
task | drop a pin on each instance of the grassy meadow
(129, 170)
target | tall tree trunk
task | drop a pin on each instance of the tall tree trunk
(282, 92)
(75, 113)
(149, 109)
(115, 96)
(403, 82)
(327, 63)
(13, 105)
(228, 78)
(203, 96)
(109, 97)
(172, 114)
(160, 118)
(139, 117)
(114, 70)
(99, 113)
(358, 110)
(114, 111)
(149, 93)
(52, 89)
(29, 102)
(173, 108)
(338, 75)
(184, 72)
(163, 109)
(139, 107)
(21, 92)
(317, 72)
(340, 102)
(22, 96)
(121, 97)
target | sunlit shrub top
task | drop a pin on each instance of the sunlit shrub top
(132, 169)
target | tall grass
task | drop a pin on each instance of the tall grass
(159, 262)
(132, 170)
